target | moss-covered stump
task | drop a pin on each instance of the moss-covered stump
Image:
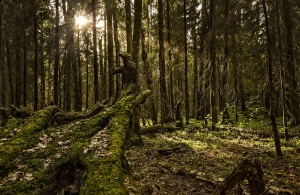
(82, 157)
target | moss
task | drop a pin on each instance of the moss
(103, 175)
(24, 139)
(11, 124)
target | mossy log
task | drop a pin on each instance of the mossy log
(81, 157)
(67, 117)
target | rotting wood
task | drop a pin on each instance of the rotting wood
(248, 168)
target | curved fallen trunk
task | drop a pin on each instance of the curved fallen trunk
(82, 157)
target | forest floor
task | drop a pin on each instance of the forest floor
(196, 161)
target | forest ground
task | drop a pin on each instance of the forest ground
(196, 160)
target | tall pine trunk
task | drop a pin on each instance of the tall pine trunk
(292, 88)
(212, 51)
(57, 54)
(128, 26)
(186, 89)
(35, 69)
(95, 62)
(271, 85)
(282, 74)
(109, 8)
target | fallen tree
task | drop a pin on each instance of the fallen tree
(83, 156)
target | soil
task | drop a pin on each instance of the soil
(197, 161)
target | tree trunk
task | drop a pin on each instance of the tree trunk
(105, 75)
(2, 66)
(109, 8)
(57, 54)
(71, 57)
(95, 62)
(35, 69)
(102, 73)
(282, 75)
(128, 26)
(271, 85)
(138, 8)
(223, 95)
(18, 72)
(292, 88)
(117, 46)
(79, 71)
(186, 89)
(170, 66)
(87, 56)
(162, 78)
(43, 75)
(213, 88)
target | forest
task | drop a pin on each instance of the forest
(149, 97)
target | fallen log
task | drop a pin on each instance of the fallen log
(81, 157)
(248, 168)
(67, 117)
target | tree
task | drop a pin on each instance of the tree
(110, 9)
(186, 89)
(162, 80)
(95, 62)
(212, 50)
(35, 35)
(292, 89)
(271, 84)
(128, 25)
(57, 54)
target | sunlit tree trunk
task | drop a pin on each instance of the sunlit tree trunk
(79, 70)
(95, 62)
(271, 85)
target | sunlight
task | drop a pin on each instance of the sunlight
(80, 21)
(100, 24)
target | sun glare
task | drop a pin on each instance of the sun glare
(100, 24)
(80, 21)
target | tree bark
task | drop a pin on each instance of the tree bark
(109, 8)
(282, 75)
(35, 36)
(95, 62)
(212, 49)
(128, 25)
(292, 88)
(186, 89)
(271, 85)
(57, 54)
